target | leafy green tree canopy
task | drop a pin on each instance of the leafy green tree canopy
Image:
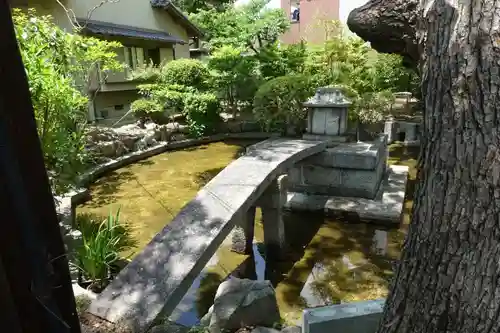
(251, 26)
(193, 6)
(59, 67)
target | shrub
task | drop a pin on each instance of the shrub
(186, 72)
(202, 113)
(103, 242)
(147, 108)
(280, 101)
(367, 108)
(390, 74)
(172, 96)
(145, 73)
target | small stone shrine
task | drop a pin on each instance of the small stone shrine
(327, 116)
(347, 168)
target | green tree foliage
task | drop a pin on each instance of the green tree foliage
(180, 87)
(59, 67)
(341, 60)
(234, 76)
(275, 61)
(367, 78)
(278, 103)
(193, 6)
(390, 74)
(147, 108)
(251, 26)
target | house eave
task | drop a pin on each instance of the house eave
(123, 31)
(178, 16)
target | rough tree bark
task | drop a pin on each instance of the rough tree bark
(448, 279)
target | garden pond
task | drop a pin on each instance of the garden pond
(328, 261)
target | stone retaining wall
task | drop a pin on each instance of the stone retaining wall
(107, 142)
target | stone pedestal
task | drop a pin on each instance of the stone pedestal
(389, 129)
(271, 204)
(242, 235)
(347, 170)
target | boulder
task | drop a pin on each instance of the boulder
(128, 142)
(233, 126)
(120, 148)
(292, 329)
(100, 134)
(177, 128)
(205, 320)
(106, 148)
(242, 302)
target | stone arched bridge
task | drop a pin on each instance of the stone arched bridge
(157, 279)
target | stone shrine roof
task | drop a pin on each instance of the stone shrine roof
(328, 97)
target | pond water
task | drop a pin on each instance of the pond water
(328, 261)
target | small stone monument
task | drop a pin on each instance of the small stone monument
(327, 114)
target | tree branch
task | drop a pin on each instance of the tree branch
(72, 16)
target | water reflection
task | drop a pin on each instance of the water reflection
(199, 297)
(343, 261)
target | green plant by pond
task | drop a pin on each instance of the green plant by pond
(103, 243)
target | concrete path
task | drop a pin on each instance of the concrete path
(157, 279)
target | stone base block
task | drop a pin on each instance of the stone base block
(352, 155)
(243, 232)
(319, 180)
(386, 207)
(334, 139)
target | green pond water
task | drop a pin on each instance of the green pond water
(150, 193)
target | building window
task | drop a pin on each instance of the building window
(295, 11)
(134, 56)
(152, 56)
(119, 107)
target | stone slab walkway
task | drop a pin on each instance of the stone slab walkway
(387, 207)
(158, 277)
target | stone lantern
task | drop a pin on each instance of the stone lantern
(327, 112)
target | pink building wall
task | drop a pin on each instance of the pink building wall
(312, 14)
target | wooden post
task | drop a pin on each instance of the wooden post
(31, 248)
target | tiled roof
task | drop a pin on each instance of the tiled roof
(111, 29)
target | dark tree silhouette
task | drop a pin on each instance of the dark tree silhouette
(35, 286)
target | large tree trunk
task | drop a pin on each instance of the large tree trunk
(448, 279)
